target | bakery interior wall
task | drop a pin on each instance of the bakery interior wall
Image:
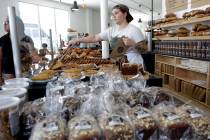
(180, 13)
(85, 20)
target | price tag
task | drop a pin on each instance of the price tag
(142, 114)
(170, 116)
(116, 120)
(83, 125)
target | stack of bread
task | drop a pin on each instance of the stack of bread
(170, 18)
(182, 32)
(200, 30)
(194, 14)
(172, 33)
(160, 32)
(207, 11)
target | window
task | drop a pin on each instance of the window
(38, 20)
(31, 22)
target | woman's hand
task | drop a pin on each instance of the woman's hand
(74, 42)
(128, 42)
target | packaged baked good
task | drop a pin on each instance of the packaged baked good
(159, 95)
(71, 105)
(51, 128)
(9, 118)
(83, 127)
(170, 123)
(200, 123)
(144, 123)
(116, 127)
(31, 114)
(130, 69)
(133, 99)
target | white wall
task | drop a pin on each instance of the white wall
(85, 20)
(180, 13)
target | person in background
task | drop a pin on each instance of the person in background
(44, 51)
(7, 69)
(129, 34)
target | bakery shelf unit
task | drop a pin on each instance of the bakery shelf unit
(182, 38)
(183, 22)
(189, 78)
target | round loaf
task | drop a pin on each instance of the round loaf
(169, 15)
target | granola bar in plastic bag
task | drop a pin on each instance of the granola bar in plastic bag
(83, 127)
(170, 123)
(51, 128)
(143, 121)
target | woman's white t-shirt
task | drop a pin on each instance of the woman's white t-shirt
(130, 31)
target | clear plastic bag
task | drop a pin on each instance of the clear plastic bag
(77, 89)
(51, 128)
(159, 95)
(144, 124)
(116, 127)
(170, 123)
(199, 122)
(31, 114)
(70, 108)
(83, 127)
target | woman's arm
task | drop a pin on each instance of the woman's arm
(88, 39)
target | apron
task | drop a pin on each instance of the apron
(132, 55)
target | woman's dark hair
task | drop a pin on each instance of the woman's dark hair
(124, 9)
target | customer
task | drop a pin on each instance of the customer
(7, 70)
(44, 51)
(129, 33)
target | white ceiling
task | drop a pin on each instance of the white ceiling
(132, 4)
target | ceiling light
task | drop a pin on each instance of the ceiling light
(75, 6)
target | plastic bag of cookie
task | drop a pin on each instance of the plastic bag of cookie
(70, 107)
(159, 95)
(144, 124)
(94, 105)
(83, 127)
(51, 128)
(171, 124)
(116, 127)
(199, 122)
(31, 114)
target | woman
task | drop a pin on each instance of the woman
(129, 33)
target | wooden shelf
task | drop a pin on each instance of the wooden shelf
(182, 38)
(194, 38)
(189, 81)
(194, 70)
(165, 63)
(183, 22)
(169, 74)
(165, 38)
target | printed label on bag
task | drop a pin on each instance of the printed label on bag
(14, 122)
(50, 127)
(194, 113)
(116, 120)
(142, 114)
(83, 125)
(170, 116)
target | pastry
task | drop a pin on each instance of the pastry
(144, 123)
(83, 127)
(50, 128)
(116, 127)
